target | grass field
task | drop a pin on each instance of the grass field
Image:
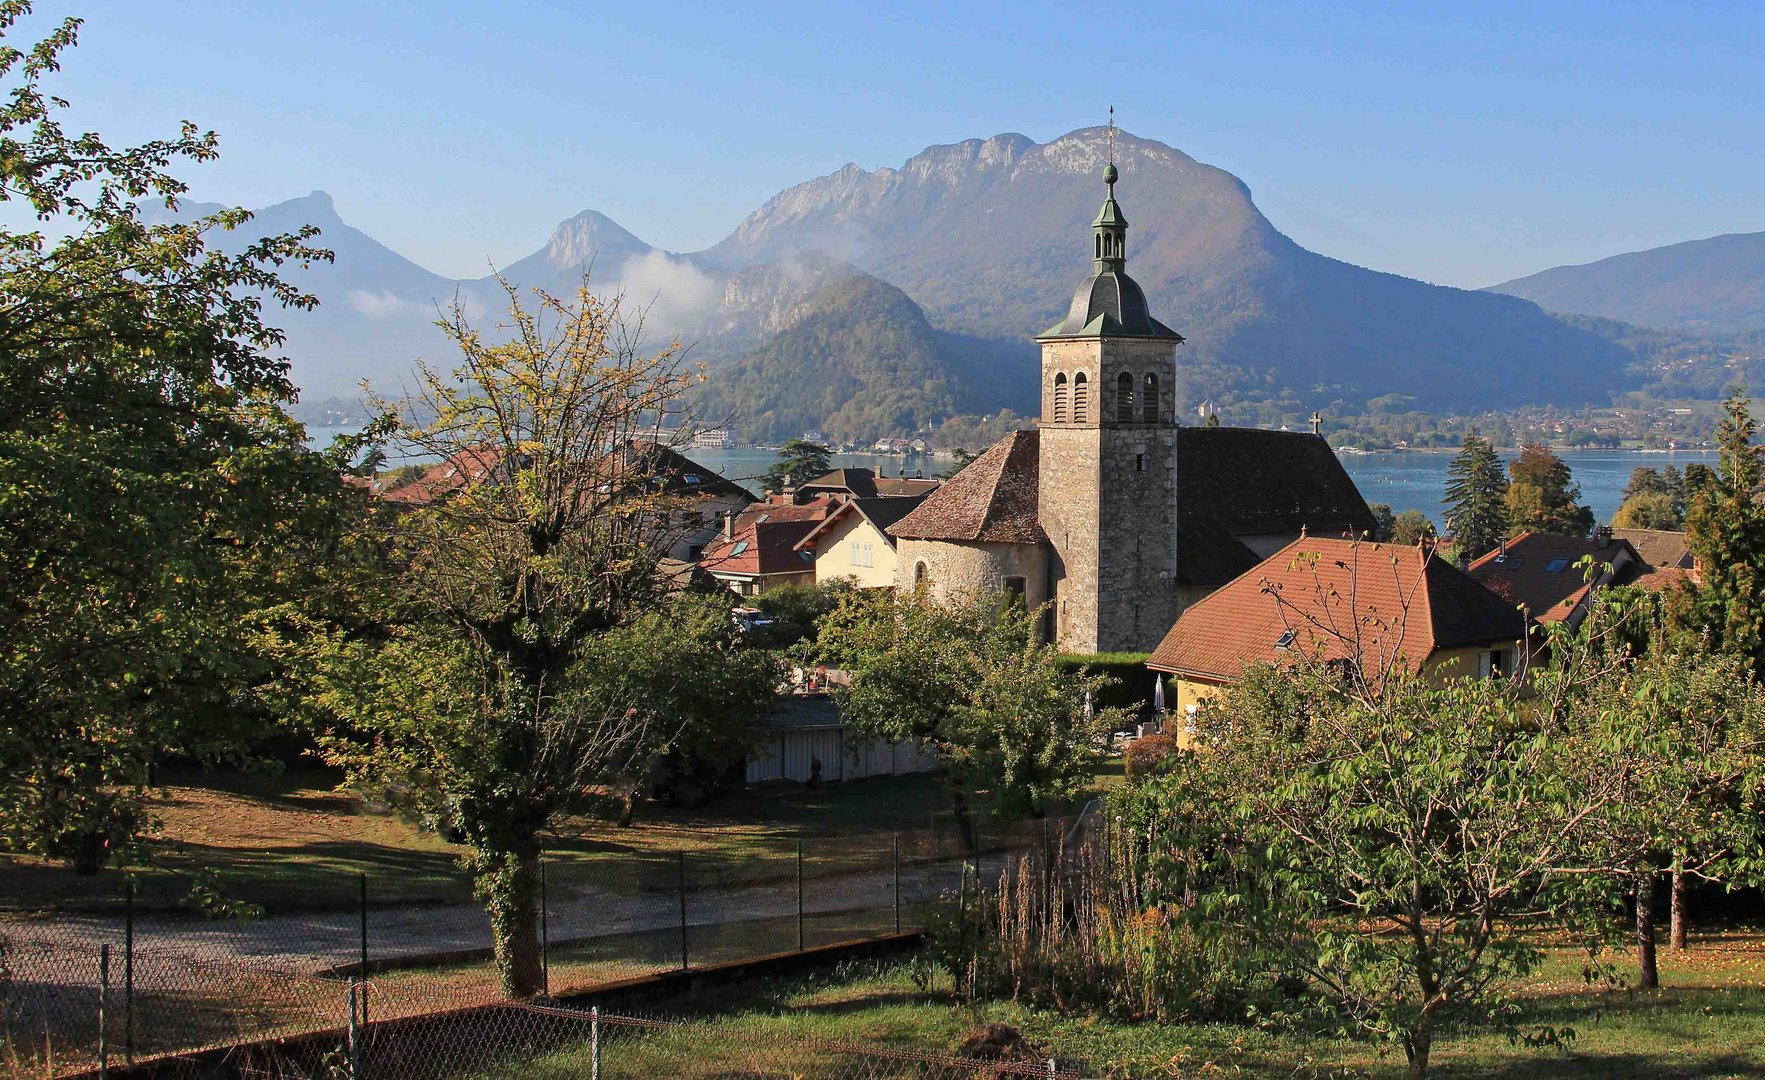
(298, 842)
(1707, 1022)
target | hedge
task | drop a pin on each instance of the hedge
(1132, 688)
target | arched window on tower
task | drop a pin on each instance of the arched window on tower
(921, 576)
(1080, 398)
(1149, 399)
(1124, 398)
(1059, 410)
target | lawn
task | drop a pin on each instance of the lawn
(298, 842)
(1708, 1022)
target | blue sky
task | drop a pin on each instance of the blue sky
(1463, 144)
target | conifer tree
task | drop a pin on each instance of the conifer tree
(1476, 497)
(1726, 533)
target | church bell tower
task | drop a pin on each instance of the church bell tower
(1108, 455)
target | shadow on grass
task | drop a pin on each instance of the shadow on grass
(1604, 1066)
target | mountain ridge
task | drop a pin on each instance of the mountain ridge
(1715, 284)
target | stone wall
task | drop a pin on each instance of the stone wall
(957, 570)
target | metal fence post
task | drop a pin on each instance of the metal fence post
(363, 970)
(129, 974)
(545, 938)
(103, 1007)
(897, 883)
(594, 1043)
(351, 1048)
(683, 954)
(799, 896)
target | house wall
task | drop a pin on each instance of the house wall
(1444, 664)
(1182, 692)
(833, 553)
(697, 523)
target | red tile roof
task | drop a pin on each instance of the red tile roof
(473, 465)
(765, 538)
(993, 499)
(1399, 604)
(881, 512)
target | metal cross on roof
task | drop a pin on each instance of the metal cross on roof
(1317, 423)
(1112, 134)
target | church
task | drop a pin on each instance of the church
(1110, 512)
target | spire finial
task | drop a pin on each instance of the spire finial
(1109, 173)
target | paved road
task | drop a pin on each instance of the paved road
(313, 942)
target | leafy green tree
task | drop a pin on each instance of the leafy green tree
(1476, 498)
(799, 461)
(1411, 528)
(1541, 497)
(158, 509)
(1396, 845)
(1010, 726)
(524, 661)
(1726, 533)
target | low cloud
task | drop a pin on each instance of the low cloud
(384, 305)
(674, 294)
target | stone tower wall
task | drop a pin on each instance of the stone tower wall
(1108, 494)
(1069, 498)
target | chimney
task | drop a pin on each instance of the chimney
(1602, 536)
(1504, 548)
(729, 525)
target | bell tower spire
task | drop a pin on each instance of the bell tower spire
(1111, 227)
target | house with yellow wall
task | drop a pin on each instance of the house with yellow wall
(853, 541)
(1385, 607)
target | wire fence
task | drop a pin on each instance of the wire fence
(123, 979)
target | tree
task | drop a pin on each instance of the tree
(1008, 723)
(1653, 499)
(1476, 497)
(1541, 497)
(1726, 533)
(799, 461)
(523, 661)
(1411, 528)
(158, 509)
(1698, 804)
(1395, 845)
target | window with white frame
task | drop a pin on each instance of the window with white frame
(855, 553)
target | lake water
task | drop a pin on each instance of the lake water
(1405, 480)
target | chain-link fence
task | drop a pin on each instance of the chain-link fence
(131, 976)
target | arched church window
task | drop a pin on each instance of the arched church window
(1060, 398)
(1099, 246)
(1124, 398)
(921, 576)
(1149, 399)
(1080, 399)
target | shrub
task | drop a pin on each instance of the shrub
(1148, 756)
(1081, 935)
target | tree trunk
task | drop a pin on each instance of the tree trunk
(509, 886)
(1676, 924)
(1648, 977)
(971, 838)
(1416, 1046)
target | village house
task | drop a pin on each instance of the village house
(689, 501)
(865, 484)
(853, 540)
(1666, 553)
(758, 548)
(1110, 512)
(1545, 573)
(1385, 607)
